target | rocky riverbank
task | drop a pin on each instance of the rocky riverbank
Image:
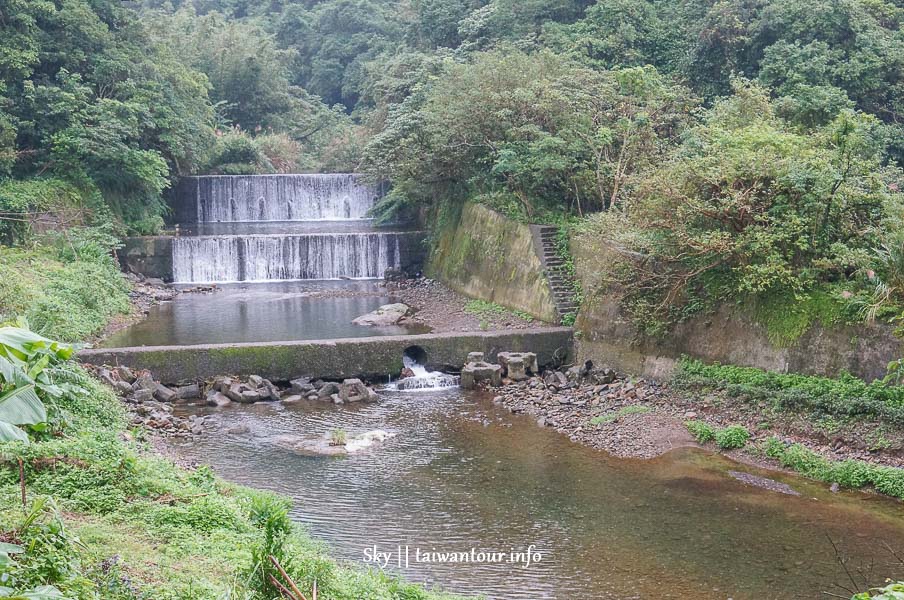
(636, 418)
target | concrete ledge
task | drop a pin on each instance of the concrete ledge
(370, 358)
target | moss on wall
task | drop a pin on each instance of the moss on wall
(739, 334)
(488, 256)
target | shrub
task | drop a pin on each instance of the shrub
(849, 473)
(701, 431)
(732, 437)
(846, 396)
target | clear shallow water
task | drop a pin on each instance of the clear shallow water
(462, 473)
(258, 312)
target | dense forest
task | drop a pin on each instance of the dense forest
(738, 147)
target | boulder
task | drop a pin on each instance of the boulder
(388, 314)
(188, 392)
(250, 396)
(555, 379)
(164, 394)
(475, 357)
(221, 384)
(142, 395)
(293, 399)
(145, 382)
(234, 391)
(125, 374)
(353, 390)
(302, 386)
(327, 390)
(604, 376)
(255, 381)
(217, 399)
(122, 388)
(106, 376)
(273, 392)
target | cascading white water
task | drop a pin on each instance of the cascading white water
(241, 198)
(284, 257)
(424, 379)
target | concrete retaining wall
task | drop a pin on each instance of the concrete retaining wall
(490, 257)
(373, 358)
(729, 335)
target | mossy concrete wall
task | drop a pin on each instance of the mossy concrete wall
(488, 256)
(730, 335)
(373, 358)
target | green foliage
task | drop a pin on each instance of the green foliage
(625, 411)
(28, 364)
(482, 308)
(732, 437)
(43, 563)
(23, 202)
(536, 128)
(749, 207)
(844, 397)
(892, 591)
(702, 431)
(849, 473)
(68, 288)
(787, 316)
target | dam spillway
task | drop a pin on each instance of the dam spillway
(266, 228)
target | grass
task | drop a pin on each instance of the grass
(842, 398)
(634, 409)
(852, 474)
(64, 296)
(126, 524)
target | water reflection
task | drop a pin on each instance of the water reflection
(462, 473)
(260, 313)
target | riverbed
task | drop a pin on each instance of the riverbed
(462, 473)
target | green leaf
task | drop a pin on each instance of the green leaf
(23, 344)
(11, 433)
(22, 406)
(11, 548)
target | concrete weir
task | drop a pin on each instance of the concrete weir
(371, 358)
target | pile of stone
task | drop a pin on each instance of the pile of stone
(150, 402)
(513, 366)
(347, 392)
(140, 386)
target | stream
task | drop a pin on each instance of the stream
(462, 473)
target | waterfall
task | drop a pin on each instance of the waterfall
(246, 198)
(424, 379)
(284, 257)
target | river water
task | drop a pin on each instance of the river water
(261, 312)
(462, 473)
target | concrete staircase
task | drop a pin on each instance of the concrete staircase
(560, 280)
